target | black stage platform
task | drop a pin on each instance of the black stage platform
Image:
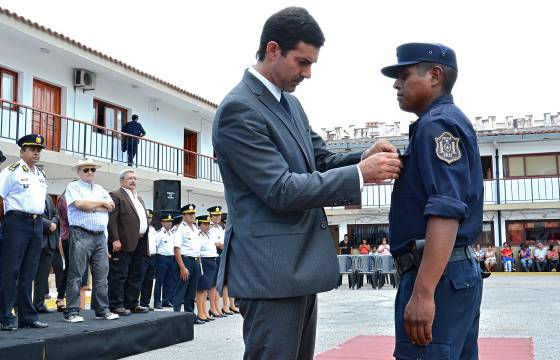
(97, 339)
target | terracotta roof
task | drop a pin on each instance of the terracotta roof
(102, 56)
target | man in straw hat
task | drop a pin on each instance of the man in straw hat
(88, 208)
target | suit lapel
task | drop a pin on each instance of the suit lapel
(125, 195)
(274, 106)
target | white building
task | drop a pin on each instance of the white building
(79, 115)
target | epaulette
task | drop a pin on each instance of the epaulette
(13, 166)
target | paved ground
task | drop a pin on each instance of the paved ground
(516, 305)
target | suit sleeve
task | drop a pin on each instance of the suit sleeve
(445, 183)
(243, 141)
(326, 160)
(113, 228)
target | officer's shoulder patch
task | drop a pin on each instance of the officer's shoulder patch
(447, 148)
(13, 166)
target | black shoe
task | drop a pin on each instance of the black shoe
(121, 311)
(44, 310)
(35, 325)
(197, 321)
(216, 316)
(234, 311)
(151, 308)
(227, 312)
(158, 307)
(9, 327)
(139, 309)
(168, 305)
(209, 319)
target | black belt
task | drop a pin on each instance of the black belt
(191, 257)
(86, 230)
(411, 259)
(17, 212)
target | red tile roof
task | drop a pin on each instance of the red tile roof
(102, 56)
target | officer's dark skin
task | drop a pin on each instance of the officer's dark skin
(31, 155)
(415, 93)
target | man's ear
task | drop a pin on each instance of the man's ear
(272, 50)
(436, 74)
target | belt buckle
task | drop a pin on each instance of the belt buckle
(34, 216)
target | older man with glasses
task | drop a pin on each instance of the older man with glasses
(88, 208)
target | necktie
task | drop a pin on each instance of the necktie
(285, 105)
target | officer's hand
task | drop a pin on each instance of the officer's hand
(52, 228)
(379, 146)
(418, 319)
(117, 245)
(184, 274)
(381, 166)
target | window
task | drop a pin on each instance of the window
(109, 116)
(537, 165)
(8, 87)
(486, 162)
(373, 233)
(532, 231)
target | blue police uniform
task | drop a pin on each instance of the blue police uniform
(130, 145)
(23, 190)
(442, 176)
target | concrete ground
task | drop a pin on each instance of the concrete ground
(514, 305)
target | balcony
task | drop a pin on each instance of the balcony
(534, 190)
(66, 135)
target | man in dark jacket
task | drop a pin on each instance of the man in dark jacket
(130, 144)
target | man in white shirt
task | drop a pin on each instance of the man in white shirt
(540, 257)
(128, 225)
(166, 266)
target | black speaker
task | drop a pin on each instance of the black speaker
(167, 196)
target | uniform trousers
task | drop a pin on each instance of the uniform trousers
(147, 281)
(42, 277)
(166, 279)
(455, 328)
(87, 248)
(125, 278)
(185, 291)
(279, 328)
(21, 249)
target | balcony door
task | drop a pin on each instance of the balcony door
(46, 99)
(189, 160)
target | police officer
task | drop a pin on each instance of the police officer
(149, 264)
(130, 144)
(436, 212)
(186, 244)
(23, 188)
(166, 266)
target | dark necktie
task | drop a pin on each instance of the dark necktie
(285, 105)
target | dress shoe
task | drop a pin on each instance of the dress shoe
(234, 311)
(139, 309)
(167, 305)
(208, 319)
(216, 315)
(197, 321)
(35, 325)
(227, 312)
(44, 310)
(158, 307)
(121, 311)
(9, 327)
(151, 308)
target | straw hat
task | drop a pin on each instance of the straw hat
(85, 162)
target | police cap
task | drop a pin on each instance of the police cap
(414, 53)
(188, 209)
(166, 217)
(215, 210)
(203, 219)
(149, 213)
(31, 140)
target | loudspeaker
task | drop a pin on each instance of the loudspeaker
(167, 196)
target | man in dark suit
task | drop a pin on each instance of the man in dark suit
(278, 174)
(128, 225)
(50, 245)
(130, 144)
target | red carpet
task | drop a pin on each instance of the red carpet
(381, 347)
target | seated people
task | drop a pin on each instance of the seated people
(490, 257)
(552, 258)
(364, 247)
(345, 246)
(526, 257)
(479, 254)
(384, 249)
(507, 257)
(540, 257)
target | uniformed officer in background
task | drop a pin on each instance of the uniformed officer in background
(130, 144)
(23, 188)
(436, 212)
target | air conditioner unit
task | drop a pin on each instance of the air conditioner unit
(84, 79)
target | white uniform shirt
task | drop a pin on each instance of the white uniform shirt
(152, 247)
(165, 242)
(23, 189)
(207, 247)
(216, 233)
(140, 211)
(187, 239)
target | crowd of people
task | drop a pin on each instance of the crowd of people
(540, 258)
(365, 248)
(111, 236)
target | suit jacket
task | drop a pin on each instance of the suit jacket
(124, 222)
(277, 175)
(49, 217)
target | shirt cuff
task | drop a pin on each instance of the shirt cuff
(361, 178)
(446, 207)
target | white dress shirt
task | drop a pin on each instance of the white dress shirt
(140, 211)
(23, 189)
(165, 242)
(186, 238)
(207, 248)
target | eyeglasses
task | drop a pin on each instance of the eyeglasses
(86, 170)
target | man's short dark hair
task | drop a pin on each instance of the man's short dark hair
(449, 74)
(288, 27)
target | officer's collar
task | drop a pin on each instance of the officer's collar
(443, 99)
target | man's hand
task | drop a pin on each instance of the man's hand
(117, 246)
(184, 273)
(52, 228)
(379, 146)
(381, 166)
(419, 317)
(109, 205)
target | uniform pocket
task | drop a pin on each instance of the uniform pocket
(463, 275)
(433, 351)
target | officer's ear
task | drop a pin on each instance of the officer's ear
(436, 75)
